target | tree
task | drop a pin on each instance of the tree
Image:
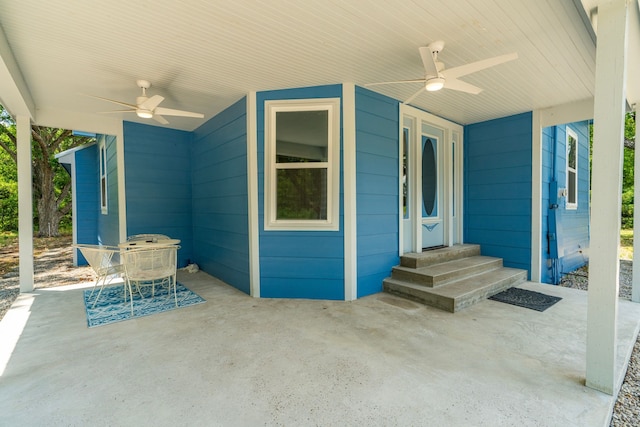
(51, 183)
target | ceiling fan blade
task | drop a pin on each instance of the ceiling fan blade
(415, 95)
(116, 111)
(430, 67)
(124, 104)
(472, 67)
(160, 119)
(151, 103)
(397, 81)
(180, 113)
(461, 86)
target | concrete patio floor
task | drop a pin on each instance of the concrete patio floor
(240, 361)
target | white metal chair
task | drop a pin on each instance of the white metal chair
(105, 263)
(151, 266)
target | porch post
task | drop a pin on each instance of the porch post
(608, 137)
(25, 204)
(635, 287)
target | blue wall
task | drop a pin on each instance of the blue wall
(572, 225)
(377, 178)
(109, 223)
(299, 264)
(497, 179)
(87, 193)
(158, 183)
(220, 200)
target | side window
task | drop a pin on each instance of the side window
(572, 169)
(103, 176)
(302, 164)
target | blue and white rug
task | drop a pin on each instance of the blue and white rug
(111, 306)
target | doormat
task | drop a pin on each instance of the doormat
(527, 299)
(112, 307)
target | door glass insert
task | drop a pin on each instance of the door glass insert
(429, 178)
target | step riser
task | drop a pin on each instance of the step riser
(428, 258)
(452, 304)
(418, 277)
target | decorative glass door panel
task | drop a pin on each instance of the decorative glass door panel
(433, 230)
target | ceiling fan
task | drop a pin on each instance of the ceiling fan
(437, 77)
(148, 108)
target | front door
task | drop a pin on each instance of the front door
(431, 153)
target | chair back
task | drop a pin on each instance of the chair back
(150, 262)
(103, 260)
(147, 237)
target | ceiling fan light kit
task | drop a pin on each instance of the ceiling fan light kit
(144, 114)
(434, 84)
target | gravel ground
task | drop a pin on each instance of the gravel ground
(626, 411)
(54, 267)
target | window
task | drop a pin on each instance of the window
(572, 169)
(302, 164)
(103, 176)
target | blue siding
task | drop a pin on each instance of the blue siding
(220, 200)
(158, 183)
(298, 264)
(109, 223)
(377, 177)
(498, 188)
(572, 226)
(87, 197)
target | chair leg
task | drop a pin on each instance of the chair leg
(175, 291)
(104, 278)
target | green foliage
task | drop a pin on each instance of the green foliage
(627, 173)
(8, 206)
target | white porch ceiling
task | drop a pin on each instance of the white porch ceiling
(203, 55)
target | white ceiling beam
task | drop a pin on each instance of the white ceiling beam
(93, 123)
(567, 113)
(14, 93)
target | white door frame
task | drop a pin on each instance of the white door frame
(453, 150)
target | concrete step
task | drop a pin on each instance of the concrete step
(445, 272)
(461, 293)
(437, 256)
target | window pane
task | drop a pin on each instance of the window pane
(571, 149)
(302, 136)
(572, 188)
(302, 194)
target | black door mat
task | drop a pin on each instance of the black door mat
(527, 299)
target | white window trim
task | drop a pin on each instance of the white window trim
(332, 223)
(102, 158)
(574, 135)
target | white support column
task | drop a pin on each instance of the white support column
(252, 191)
(25, 204)
(635, 287)
(122, 195)
(349, 174)
(608, 137)
(536, 197)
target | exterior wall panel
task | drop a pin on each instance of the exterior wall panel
(158, 184)
(298, 264)
(220, 196)
(377, 188)
(498, 169)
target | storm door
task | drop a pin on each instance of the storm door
(431, 181)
